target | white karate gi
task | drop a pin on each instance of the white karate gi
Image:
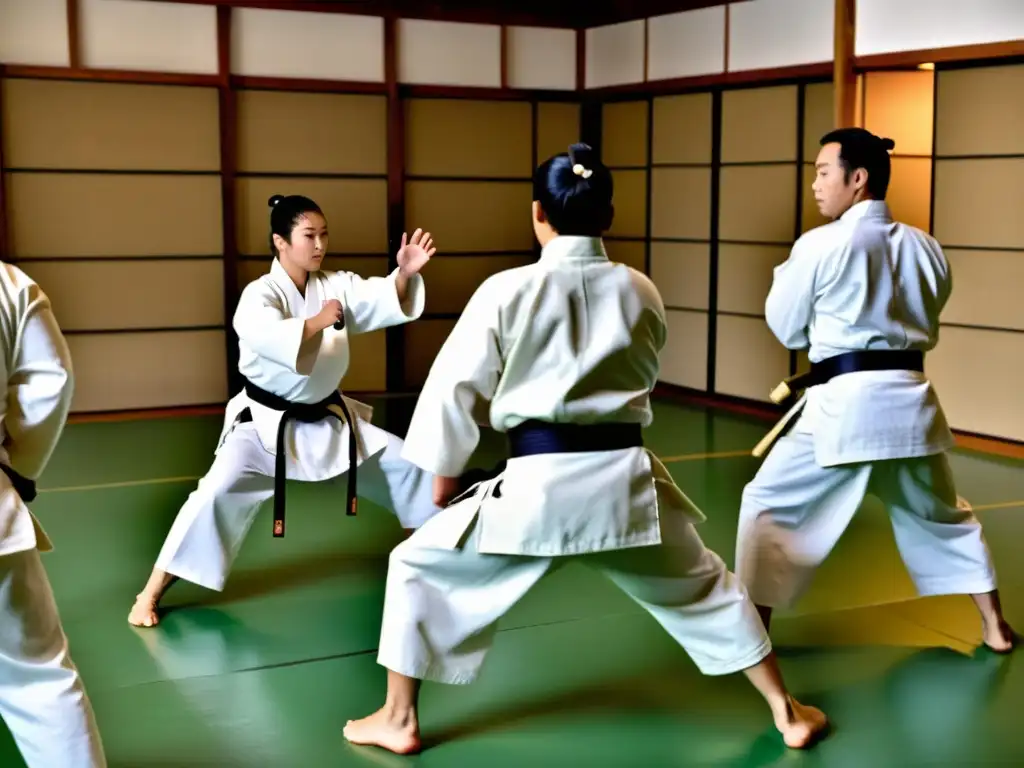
(208, 531)
(42, 698)
(573, 338)
(862, 282)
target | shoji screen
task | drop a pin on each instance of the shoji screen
(624, 142)
(758, 219)
(113, 194)
(335, 154)
(979, 219)
(681, 231)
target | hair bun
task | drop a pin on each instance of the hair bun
(274, 200)
(888, 144)
(582, 154)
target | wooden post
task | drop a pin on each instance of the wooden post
(843, 76)
(228, 161)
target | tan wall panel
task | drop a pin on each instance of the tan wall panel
(472, 216)
(749, 361)
(633, 253)
(682, 273)
(368, 363)
(977, 375)
(125, 371)
(624, 134)
(630, 202)
(900, 106)
(818, 117)
(282, 132)
(682, 129)
(110, 126)
(558, 126)
(986, 288)
(356, 212)
(759, 124)
(452, 280)
(150, 294)
(364, 266)
(468, 138)
(423, 340)
(810, 216)
(979, 202)
(981, 111)
(681, 203)
(758, 203)
(684, 359)
(910, 191)
(68, 214)
(745, 276)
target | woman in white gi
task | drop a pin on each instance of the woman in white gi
(561, 355)
(290, 420)
(863, 294)
(42, 698)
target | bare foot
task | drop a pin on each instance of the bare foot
(396, 733)
(800, 725)
(998, 636)
(144, 612)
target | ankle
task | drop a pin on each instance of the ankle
(400, 714)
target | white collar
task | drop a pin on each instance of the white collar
(574, 247)
(871, 209)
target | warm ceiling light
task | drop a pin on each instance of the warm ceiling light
(926, 66)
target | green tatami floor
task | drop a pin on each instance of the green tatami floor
(266, 674)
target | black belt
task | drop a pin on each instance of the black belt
(534, 438)
(854, 362)
(25, 487)
(306, 413)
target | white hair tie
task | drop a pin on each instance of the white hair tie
(579, 170)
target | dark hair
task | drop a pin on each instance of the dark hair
(859, 148)
(575, 191)
(285, 212)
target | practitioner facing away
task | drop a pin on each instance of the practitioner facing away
(290, 420)
(561, 355)
(42, 698)
(863, 294)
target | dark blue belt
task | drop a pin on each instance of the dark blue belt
(303, 412)
(25, 487)
(532, 438)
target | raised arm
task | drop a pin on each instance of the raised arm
(40, 384)
(464, 377)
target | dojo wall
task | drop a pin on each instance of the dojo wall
(113, 190)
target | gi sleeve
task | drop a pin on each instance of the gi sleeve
(371, 304)
(262, 323)
(790, 301)
(39, 387)
(462, 381)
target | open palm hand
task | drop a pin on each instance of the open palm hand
(414, 254)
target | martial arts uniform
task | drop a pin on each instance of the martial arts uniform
(864, 294)
(42, 698)
(291, 421)
(560, 355)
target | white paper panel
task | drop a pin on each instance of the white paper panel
(449, 53)
(329, 46)
(686, 44)
(682, 273)
(749, 360)
(684, 360)
(541, 57)
(986, 288)
(34, 32)
(127, 371)
(615, 54)
(884, 26)
(764, 34)
(977, 375)
(149, 36)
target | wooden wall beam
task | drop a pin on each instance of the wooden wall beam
(395, 337)
(228, 163)
(4, 237)
(74, 34)
(844, 77)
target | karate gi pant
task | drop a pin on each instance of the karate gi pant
(794, 511)
(42, 698)
(442, 605)
(208, 532)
